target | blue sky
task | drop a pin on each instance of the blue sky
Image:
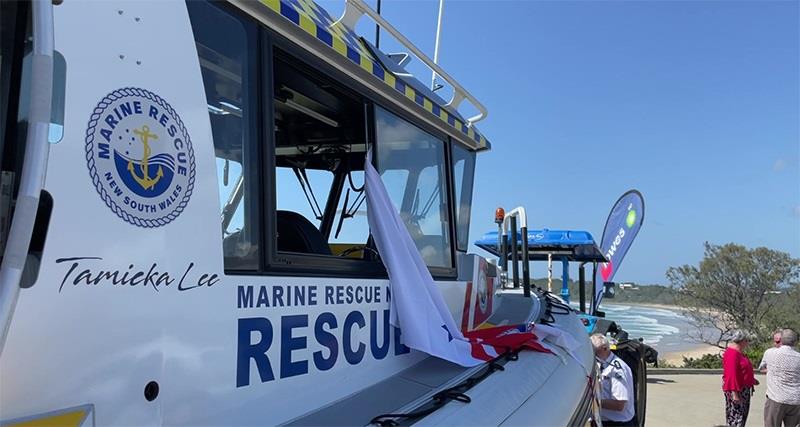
(696, 104)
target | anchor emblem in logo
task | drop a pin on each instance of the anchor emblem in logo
(145, 181)
(140, 157)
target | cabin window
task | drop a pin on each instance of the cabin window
(14, 43)
(320, 149)
(291, 141)
(12, 23)
(464, 175)
(225, 48)
(413, 167)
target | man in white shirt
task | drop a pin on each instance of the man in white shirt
(776, 339)
(783, 383)
(616, 386)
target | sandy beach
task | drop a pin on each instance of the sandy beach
(674, 308)
(663, 326)
(676, 358)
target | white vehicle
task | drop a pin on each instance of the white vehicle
(184, 235)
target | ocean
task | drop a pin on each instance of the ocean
(664, 329)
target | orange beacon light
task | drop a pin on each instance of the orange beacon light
(499, 215)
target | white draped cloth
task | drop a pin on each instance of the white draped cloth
(417, 306)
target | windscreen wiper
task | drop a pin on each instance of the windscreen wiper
(418, 214)
(349, 212)
(312, 201)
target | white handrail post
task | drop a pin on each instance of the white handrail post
(436, 44)
(511, 217)
(355, 9)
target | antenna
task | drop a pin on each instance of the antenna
(436, 44)
(378, 29)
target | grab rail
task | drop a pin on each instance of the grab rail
(510, 218)
(355, 9)
(34, 165)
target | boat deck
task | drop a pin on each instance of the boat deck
(507, 392)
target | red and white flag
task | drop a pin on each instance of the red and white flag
(489, 343)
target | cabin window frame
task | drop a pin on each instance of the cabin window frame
(261, 143)
(252, 145)
(443, 272)
(467, 220)
(12, 130)
(296, 264)
(300, 264)
(11, 77)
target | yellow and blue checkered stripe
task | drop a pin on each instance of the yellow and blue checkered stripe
(317, 22)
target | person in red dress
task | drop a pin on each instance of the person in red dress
(737, 380)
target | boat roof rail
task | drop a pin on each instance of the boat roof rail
(311, 27)
(574, 245)
(356, 9)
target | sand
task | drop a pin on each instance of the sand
(676, 358)
(674, 308)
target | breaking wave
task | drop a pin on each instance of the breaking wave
(650, 323)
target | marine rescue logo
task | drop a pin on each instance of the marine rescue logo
(140, 157)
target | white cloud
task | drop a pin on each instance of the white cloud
(779, 165)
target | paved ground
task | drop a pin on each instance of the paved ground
(694, 400)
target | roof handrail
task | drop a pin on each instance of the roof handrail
(518, 212)
(355, 9)
(511, 217)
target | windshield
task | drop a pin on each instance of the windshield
(412, 165)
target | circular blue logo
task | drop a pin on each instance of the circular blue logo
(140, 157)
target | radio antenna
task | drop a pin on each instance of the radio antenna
(378, 29)
(436, 44)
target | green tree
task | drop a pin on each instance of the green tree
(738, 288)
(786, 312)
